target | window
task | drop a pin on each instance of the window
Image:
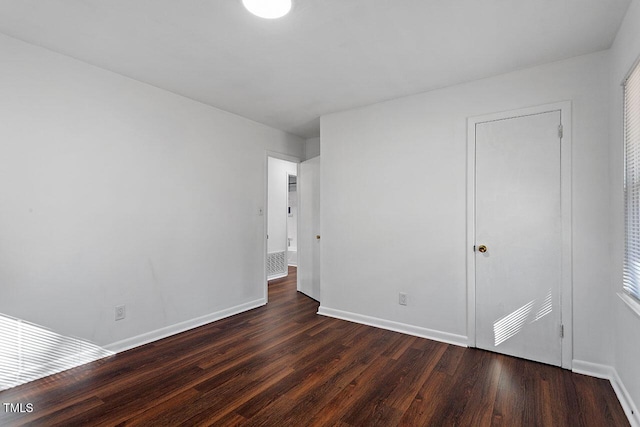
(631, 276)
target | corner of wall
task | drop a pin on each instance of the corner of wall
(624, 52)
(609, 373)
(311, 148)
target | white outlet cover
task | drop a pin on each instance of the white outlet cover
(402, 298)
(120, 312)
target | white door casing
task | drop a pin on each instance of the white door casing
(519, 208)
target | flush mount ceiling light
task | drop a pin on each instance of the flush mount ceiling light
(268, 9)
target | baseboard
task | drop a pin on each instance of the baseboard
(404, 328)
(625, 400)
(167, 331)
(592, 369)
(277, 276)
(609, 373)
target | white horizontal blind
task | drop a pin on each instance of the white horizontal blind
(631, 279)
(29, 352)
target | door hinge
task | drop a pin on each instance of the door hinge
(560, 131)
(561, 331)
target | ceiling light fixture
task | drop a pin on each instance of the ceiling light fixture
(268, 9)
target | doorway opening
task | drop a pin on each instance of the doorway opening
(281, 216)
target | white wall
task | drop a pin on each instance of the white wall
(278, 192)
(116, 192)
(311, 148)
(394, 200)
(624, 52)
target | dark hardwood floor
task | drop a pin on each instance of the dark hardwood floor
(282, 364)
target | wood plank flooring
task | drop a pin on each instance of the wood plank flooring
(282, 364)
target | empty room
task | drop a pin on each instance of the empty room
(320, 212)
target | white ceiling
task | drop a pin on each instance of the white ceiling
(325, 56)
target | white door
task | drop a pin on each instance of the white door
(518, 222)
(309, 228)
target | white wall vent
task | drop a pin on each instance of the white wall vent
(276, 264)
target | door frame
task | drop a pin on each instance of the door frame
(265, 211)
(566, 284)
(286, 245)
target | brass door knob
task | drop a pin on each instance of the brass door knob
(482, 249)
(318, 236)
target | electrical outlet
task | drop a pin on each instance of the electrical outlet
(120, 312)
(402, 298)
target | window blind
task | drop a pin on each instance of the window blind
(631, 276)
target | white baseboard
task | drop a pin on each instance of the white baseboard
(404, 328)
(625, 400)
(592, 369)
(609, 373)
(167, 331)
